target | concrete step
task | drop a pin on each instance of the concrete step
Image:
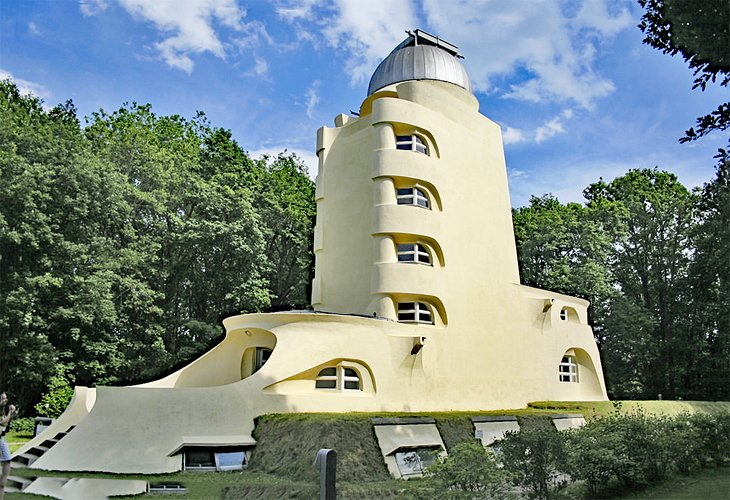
(24, 460)
(18, 483)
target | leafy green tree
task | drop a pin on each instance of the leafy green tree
(708, 317)
(645, 346)
(58, 248)
(700, 33)
(287, 208)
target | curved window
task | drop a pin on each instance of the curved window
(411, 143)
(412, 196)
(338, 377)
(568, 369)
(414, 252)
(414, 312)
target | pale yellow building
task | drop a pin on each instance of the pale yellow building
(418, 305)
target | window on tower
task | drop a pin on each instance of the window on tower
(413, 196)
(411, 143)
(415, 312)
(416, 253)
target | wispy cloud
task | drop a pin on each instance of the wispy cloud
(26, 87)
(33, 28)
(93, 7)
(550, 128)
(312, 97)
(260, 68)
(367, 30)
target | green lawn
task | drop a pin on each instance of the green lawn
(708, 484)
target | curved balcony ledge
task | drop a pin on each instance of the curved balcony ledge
(408, 220)
(407, 278)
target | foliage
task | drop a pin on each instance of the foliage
(24, 426)
(534, 456)
(123, 244)
(700, 33)
(57, 397)
(468, 469)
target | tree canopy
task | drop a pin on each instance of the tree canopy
(125, 242)
(700, 33)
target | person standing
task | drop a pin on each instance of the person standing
(5, 419)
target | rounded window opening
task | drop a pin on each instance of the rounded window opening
(259, 345)
(414, 253)
(569, 314)
(339, 377)
(413, 196)
(568, 369)
(415, 312)
(411, 143)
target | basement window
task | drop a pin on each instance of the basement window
(414, 253)
(568, 369)
(338, 377)
(414, 312)
(415, 462)
(220, 459)
(411, 143)
(412, 196)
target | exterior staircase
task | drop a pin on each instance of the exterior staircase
(26, 459)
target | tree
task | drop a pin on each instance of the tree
(708, 319)
(287, 208)
(645, 346)
(700, 33)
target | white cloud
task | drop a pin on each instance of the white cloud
(24, 86)
(309, 159)
(92, 7)
(187, 25)
(549, 129)
(260, 68)
(538, 42)
(312, 98)
(513, 135)
(33, 28)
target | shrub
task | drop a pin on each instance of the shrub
(535, 456)
(24, 426)
(596, 455)
(58, 396)
(713, 435)
(469, 469)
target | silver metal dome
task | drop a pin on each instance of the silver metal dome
(420, 57)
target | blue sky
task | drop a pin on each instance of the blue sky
(577, 94)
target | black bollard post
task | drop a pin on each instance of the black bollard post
(326, 462)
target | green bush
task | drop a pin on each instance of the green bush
(535, 457)
(469, 469)
(24, 426)
(57, 397)
(713, 433)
